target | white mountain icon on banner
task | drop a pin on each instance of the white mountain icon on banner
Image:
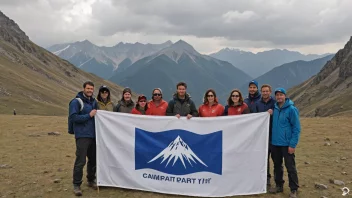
(178, 150)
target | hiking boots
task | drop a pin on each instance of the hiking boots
(77, 190)
(277, 189)
(293, 194)
(93, 184)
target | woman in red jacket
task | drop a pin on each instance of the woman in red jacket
(210, 106)
(235, 104)
(141, 106)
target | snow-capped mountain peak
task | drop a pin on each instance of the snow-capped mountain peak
(178, 150)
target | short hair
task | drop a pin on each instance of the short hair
(229, 100)
(88, 83)
(265, 85)
(181, 84)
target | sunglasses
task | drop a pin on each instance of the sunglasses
(210, 95)
(156, 94)
(142, 101)
(235, 96)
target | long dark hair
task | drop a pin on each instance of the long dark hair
(146, 105)
(229, 100)
(99, 98)
(205, 99)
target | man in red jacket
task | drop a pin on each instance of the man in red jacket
(157, 106)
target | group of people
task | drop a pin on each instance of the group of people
(284, 130)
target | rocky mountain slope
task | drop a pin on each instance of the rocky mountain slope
(330, 91)
(35, 81)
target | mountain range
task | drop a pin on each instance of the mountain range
(35, 81)
(258, 64)
(180, 62)
(291, 74)
(102, 61)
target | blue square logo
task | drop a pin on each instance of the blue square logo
(178, 152)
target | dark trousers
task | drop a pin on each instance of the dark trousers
(278, 153)
(268, 169)
(85, 148)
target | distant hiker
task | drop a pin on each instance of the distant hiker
(285, 137)
(104, 100)
(125, 105)
(84, 130)
(14, 111)
(267, 104)
(157, 106)
(210, 106)
(235, 104)
(253, 96)
(141, 106)
(181, 104)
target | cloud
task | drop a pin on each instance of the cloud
(255, 24)
(235, 16)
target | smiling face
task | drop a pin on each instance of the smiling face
(181, 91)
(210, 97)
(252, 89)
(156, 95)
(280, 97)
(127, 96)
(142, 103)
(88, 90)
(104, 94)
(235, 97)
(266, 92)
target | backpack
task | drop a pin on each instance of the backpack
(117, 108)
(70, 122)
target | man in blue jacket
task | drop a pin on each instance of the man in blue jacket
(84, 130)
(253, 96)
(286, 131)
(266, 104)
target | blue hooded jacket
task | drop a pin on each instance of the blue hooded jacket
(250, 101)
(83, 124)
(286, 125)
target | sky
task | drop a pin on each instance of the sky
(310, 27)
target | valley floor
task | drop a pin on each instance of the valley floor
(31, 160)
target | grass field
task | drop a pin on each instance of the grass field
(34, 159)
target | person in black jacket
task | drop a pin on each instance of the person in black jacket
(182, 104)
(266, 103)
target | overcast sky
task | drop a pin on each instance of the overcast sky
(308, 26)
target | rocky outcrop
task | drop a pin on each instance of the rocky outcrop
(329, 92)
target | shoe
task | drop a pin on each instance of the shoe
(77, 190)
(93, 185)
(293, 194)
(277, 189)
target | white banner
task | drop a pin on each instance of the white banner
(212, 157)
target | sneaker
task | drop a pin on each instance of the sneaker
(277, 189)
(77, 190)
(293, 194)
(93, 185)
